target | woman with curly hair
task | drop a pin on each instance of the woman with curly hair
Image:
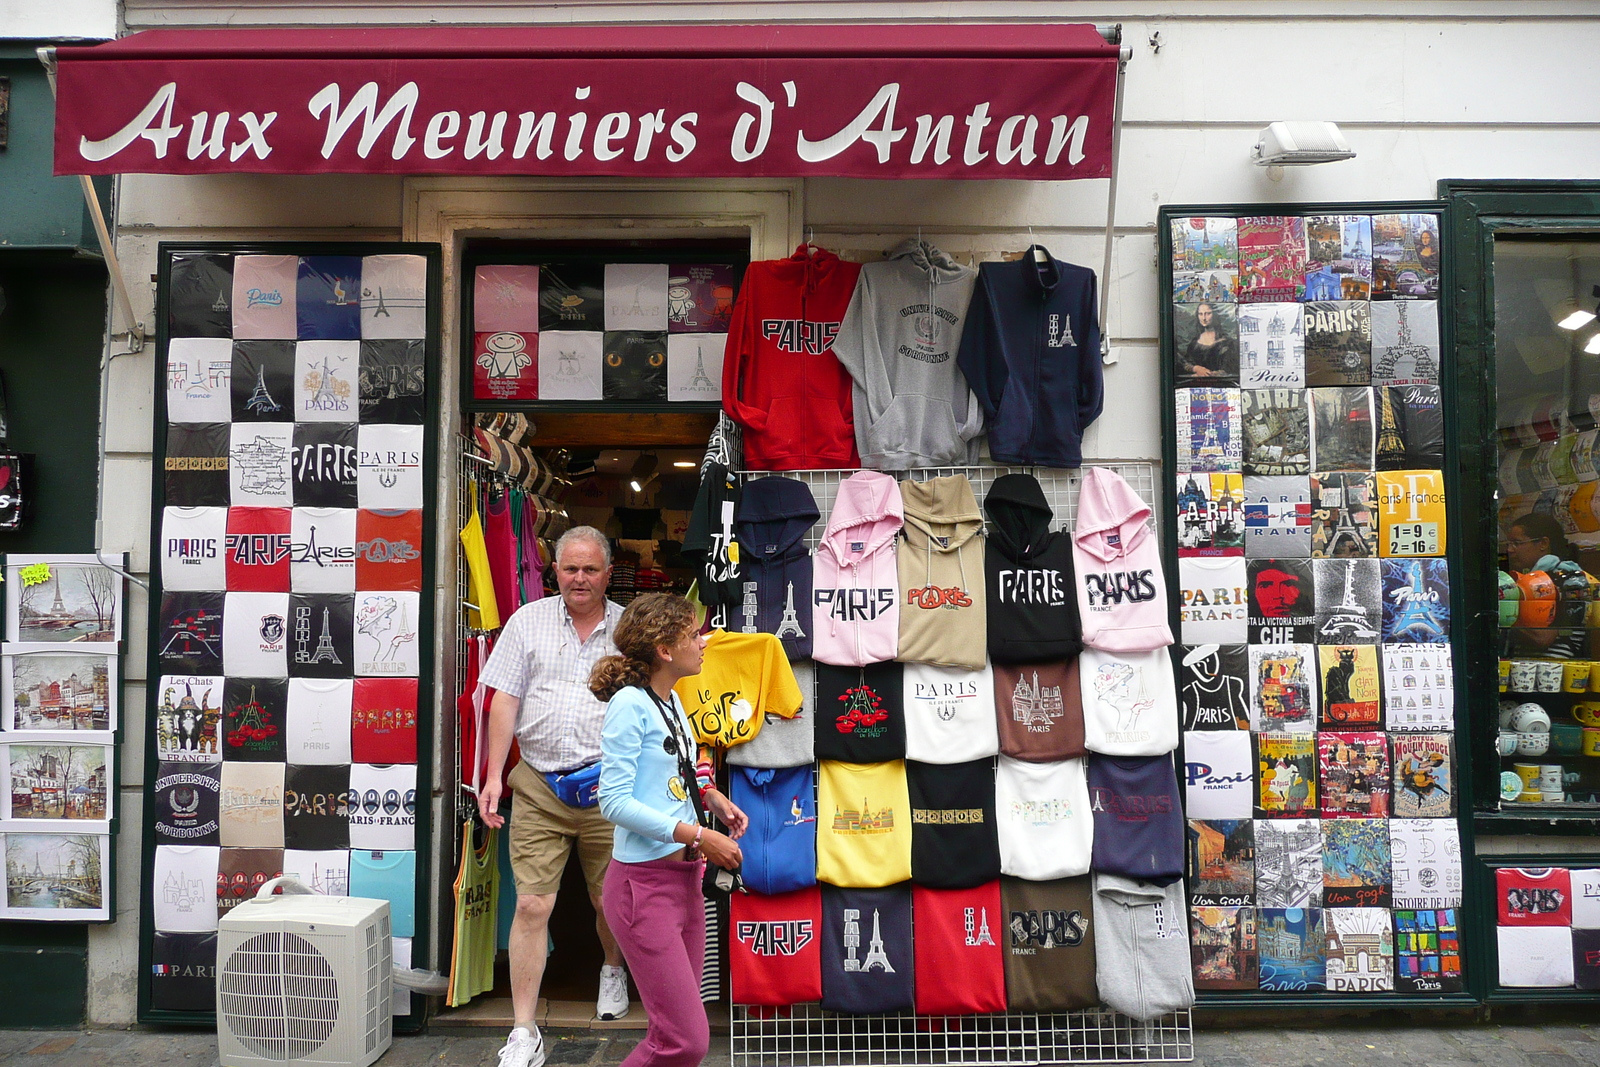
(652, 894)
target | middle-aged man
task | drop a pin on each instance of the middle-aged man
(540, 673)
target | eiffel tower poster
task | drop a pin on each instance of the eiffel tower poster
(1416, 601)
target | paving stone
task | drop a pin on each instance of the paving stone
(617, 1049)
(1553, 1059)
(572, 1050)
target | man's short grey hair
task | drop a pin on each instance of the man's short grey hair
(584, 533)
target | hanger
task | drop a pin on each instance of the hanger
(811, 233)
(1039, 255)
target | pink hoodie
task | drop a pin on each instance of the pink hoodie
(1122, 594)
(855, 588)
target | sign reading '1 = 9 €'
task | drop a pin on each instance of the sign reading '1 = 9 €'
(1413, 539)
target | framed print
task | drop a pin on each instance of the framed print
(64, 598)
(54, 690)
(58, 786)
(57, 877)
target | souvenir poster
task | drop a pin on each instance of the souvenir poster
(571, 365)
(1286, 777)
(1272, 346)
(1416, 601)
(1424, 775)
(1426, 861)
(1282, 693)
(1427, 951)
(1341, 428)
(1411, 513)
(1405, 342)
(1353, 774)
(505, 366)
(1338, 257)
(635, 365)
(1293, 949)
(1360, 950)
(700, 297)
(1288, 863)
(1277, 515)
(1222, 943)
(1206, 343)
(1349, 603)
(1277, 432)
(64, 598)
(1350, 687)
(1282, 601)
(1342, 515)
(1405, 256)
(57, 877)
(1222, 862)
(1410, 435)
(1418, 687)
(1211, 515)
(1205, 260)
(1208, 429)
(1272, 257)
(1355, 863)
(1338, 343)
(572, 296)
(59, 782)
(1213, 688)
(56, 689)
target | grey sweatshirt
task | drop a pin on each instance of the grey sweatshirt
(784, 742)
(898, 340)
(1142, 947)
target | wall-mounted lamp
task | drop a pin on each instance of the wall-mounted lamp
(1300, 144)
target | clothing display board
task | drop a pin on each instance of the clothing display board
(291, 625)
(1312, 606)
(1545, 920)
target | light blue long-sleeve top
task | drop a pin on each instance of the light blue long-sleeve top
(640, 788)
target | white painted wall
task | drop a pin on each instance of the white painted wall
(59, 20)
(1424, 90)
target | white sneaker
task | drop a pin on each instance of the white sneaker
(523, 1049)
(613, 1002)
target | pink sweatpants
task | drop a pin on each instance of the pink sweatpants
(654, 910)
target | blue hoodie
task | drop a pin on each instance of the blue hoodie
(1030, 350)
(780, 846)
(771, 523)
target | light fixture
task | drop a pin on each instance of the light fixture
(1592, 347)
(684, 464)
(643, 473)
(1300, 144)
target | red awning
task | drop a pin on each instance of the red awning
(872, 101)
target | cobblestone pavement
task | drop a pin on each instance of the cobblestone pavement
(1509, 1038)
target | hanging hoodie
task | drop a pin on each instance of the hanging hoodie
(708, 544)
(1030, 349)
(1039, 708)
(784, 742)
(867, 967)
(1046, 827)
(863, 823)
(775, 953)
(898, 340)
(949, 714)
(855, 591)
(1138, 822)
(943, 606)
(1050, 944)
(1122, 595)
(1130, 703)
(960, 967)
(780, 845)
(860, 714)
(1142, 947)
(1033, 608)
(953, 841)
(780, 378)
(771, 522)
(743, 678)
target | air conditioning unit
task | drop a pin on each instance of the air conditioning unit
(304, 979)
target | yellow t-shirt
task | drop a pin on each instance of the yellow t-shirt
(744, 678)
(863, 824)
(480, 587)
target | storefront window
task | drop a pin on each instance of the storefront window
(1547, 403)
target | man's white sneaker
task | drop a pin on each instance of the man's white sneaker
(523, 1049)
(613, 1002)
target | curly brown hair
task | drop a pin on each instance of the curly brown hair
(652, 620)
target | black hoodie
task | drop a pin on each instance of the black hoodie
(771, 523)
(1033, 606)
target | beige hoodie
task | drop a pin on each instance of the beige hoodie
(943, 610)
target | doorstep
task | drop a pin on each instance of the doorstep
(495, 1013)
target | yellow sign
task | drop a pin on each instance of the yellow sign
(34, 574)
(1411, 517)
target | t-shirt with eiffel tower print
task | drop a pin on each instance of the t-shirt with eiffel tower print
(320, 635)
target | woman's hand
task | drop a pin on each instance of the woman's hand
(720, 849)
(728, 812)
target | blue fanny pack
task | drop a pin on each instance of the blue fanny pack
(576, 789)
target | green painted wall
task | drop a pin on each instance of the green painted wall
(44, 975)
(37, 209)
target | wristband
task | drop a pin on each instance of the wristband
(699, 832)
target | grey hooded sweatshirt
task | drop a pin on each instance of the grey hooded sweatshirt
(1142, 947)
(898, 340)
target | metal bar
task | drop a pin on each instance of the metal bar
(1111, 198)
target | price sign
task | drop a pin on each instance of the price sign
(1413, 539)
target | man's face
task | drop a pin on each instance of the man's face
(1277, 592)
(582, 575)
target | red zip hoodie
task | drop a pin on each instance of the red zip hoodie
(780, 379)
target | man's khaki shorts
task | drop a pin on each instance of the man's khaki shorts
(543, 830)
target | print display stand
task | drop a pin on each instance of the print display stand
(804, 1035)
(296, 392)
(1308, 380)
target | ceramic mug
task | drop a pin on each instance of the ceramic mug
(1508, 708)
(1550, 777)
(1524, 675)
(1505, 675)
(1587, 712)
(1507, 743)
(1575, 675)
(1591, 740)
(1547, 796)
(1548, 673)
(1530, 744)
(1528, 775)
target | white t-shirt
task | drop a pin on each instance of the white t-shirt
(636, 296)
(1219, 779)
(389, 466)
(252, 805)
(255, 633)
(694, 365)
(1042, 812)
(199, 373)
(949, 713)
(1213, 601)
(325, 377)
(1425, 863)
(1585, 899)
(394, 294)
(185, 888)
(193, 541)
(386, 634)
(322, 550)
(383, 806)
(325, 871)
(318, 730)
(261, 464)
(1130, 702)
(1535, 956)
(571, 365)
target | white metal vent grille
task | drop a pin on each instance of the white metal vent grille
(379, 967)
(278, 996)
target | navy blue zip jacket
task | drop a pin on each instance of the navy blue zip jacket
(780, 846)
(1030, 350)
(770, 525)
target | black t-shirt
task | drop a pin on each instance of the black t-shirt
(316, 807)
(867, 968)
(200, 296)
(321, 635)
(572, 296)
(325, 464)
(196, 466)
(861, 713)
(254, 711)
(954, 841)
(189, 640)
(183, 972)
(392, 381)
(635, 365)
(263, 381)
(186, 803)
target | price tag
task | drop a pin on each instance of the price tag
(1414, 539)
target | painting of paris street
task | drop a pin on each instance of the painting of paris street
(51, 688)
(59, 782)
(63, 599)
(55, 876)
